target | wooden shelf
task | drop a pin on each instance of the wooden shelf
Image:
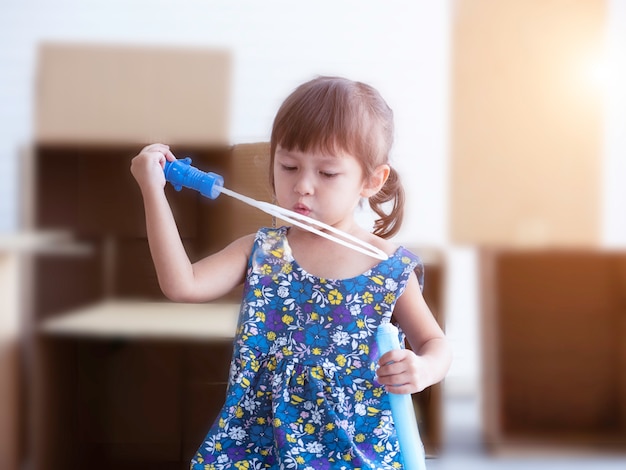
(145, 320)
(553, 350)
(50, 242)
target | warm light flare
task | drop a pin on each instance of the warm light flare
(605, 72)
(598, 72)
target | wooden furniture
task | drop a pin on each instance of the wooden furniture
(16, 253)
(10, 380)
(554, 355)
(133, 384)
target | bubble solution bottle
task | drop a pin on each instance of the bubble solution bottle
(402, 410)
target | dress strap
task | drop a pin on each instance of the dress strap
(271, 252)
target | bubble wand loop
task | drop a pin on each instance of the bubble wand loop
(180, 173)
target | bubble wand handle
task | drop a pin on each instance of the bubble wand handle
(180, 173)
(411, 447)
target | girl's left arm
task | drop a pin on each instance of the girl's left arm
(411, 371)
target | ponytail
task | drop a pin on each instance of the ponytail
(388, 224)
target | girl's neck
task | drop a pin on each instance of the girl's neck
(326, 259)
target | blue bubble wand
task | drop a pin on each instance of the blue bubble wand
(181, 173)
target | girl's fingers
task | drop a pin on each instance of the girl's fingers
(165, 154)
(397, 372)
(393, 362)
(161, 148)
(389, 369)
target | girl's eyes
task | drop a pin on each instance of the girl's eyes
(325, 174)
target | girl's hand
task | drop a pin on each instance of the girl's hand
(147, 166)
(402, 371)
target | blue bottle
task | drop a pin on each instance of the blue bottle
(402, 410)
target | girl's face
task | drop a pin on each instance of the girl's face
(324, 187)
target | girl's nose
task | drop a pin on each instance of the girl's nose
(304, 185)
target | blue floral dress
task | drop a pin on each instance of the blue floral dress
(302, 392)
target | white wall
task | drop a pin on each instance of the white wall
(614, 77)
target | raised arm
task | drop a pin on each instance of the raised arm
(179, 279)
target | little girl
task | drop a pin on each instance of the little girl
(306, 389)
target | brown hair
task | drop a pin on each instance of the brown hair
(333, 113)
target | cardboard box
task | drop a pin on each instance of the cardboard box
(527, 136)
(98, 105)
(107, 94)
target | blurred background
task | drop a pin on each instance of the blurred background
(510, 136)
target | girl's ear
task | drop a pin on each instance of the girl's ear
(375, 182)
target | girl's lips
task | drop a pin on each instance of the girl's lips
(302, 209)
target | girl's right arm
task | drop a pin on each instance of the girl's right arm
(179, 279)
